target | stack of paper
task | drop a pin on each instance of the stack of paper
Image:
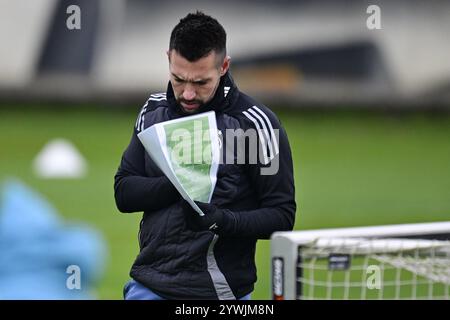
(187, 151)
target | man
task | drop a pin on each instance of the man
(184, 255)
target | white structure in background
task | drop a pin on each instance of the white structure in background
(413, 40)
(133, 35)
(23, 28)
(59, 159)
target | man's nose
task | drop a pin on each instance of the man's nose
(189, 92)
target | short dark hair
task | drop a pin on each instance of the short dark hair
(196, 35)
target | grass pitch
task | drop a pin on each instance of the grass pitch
(351, 169)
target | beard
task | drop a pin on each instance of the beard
(190, 106)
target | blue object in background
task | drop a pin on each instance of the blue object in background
(39, 254)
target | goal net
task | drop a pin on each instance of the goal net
(384, 262)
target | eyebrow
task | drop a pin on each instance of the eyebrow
(193, 81)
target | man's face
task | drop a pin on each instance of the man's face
(195, 83)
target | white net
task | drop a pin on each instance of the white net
(358, 268)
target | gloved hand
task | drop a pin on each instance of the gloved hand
(211, 221)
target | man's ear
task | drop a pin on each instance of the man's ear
(168, 54)
(225, 65)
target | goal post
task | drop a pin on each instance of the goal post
(409, 261)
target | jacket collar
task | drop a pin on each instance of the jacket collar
(223, 100)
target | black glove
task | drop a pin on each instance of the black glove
(211, 221)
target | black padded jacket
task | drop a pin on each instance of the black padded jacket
(257, 199)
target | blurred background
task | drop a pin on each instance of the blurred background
(363, 92)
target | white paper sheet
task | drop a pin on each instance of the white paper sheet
(187, 152)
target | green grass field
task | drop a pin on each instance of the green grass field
(351, 169)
